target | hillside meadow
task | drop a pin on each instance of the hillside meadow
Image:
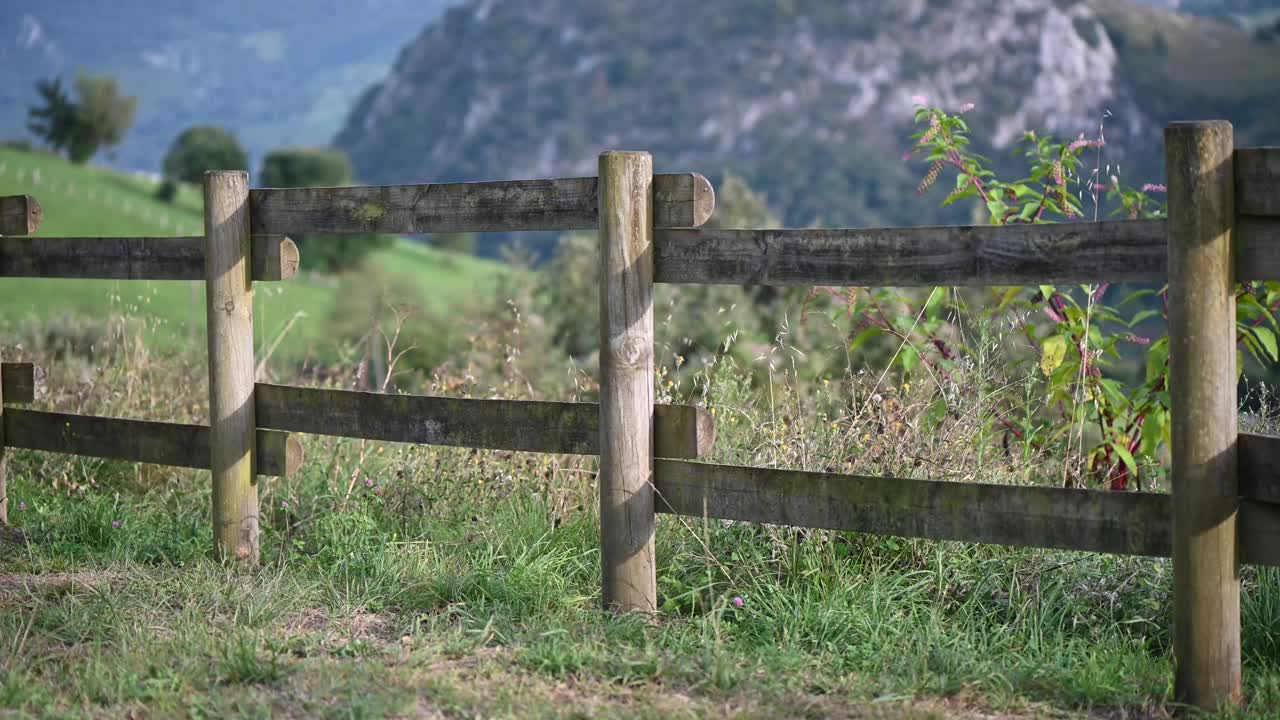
(95, 202)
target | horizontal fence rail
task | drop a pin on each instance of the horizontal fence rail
(1112, 251)
(19, 215)
(274, 257)
(680, 431)
(679, 201)
(18, 382)
(1259, 459)
(1031, 516)
(1257, 179)
(144, 441)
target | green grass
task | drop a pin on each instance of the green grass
(415, 581)
(87, 201)
(489, 607)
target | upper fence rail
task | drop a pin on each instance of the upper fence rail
(1258, 181)
(679, 201)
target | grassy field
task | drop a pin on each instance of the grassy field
(86, 201)
(421, 582)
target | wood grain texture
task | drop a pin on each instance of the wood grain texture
(1257, 247)
(144, 441)
(1257, 175)
(1259, 457)
(17, 383)
(275, 257)
(1132, 251)
(1125, 250)
(1048, 517)
(681, 200)
(229, 303)
(626, 382)
(19, 215)
(1203, 407)
(680, 431)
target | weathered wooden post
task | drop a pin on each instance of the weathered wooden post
(1202, 387)
(4, 479)
(19, 215)
(626, 382)
(229, 300)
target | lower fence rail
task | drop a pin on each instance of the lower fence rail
(1032, 516)
(145, 441)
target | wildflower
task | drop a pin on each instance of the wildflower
(284, 504)
(22, 506)
(738, 601)
(966, 107)
(930, 177)
(368, 482)
(1154, 187)
(115, 523)
(919, 100)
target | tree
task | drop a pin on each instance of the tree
(200, 149)
(100, 117)
(463, 243)
(55, 122)
(319, 167)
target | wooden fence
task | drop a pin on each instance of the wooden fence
(1223, 226)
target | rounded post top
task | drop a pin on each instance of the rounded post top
(237, 174)
(1198, 127)
(625, 154)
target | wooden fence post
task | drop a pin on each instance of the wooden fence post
(626, 382)
(4, 480)
(229, 298)
(1202, 387)
(19, 215)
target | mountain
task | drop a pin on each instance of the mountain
(279, 72)
(810, 100)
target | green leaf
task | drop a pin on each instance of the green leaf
(1052, 351)
(862, 337)
(1126, 456)
(1268, 340)
(1142, 316)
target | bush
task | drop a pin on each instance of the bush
(167, 191)
(319, 167)
(458, 242)
(200, 149)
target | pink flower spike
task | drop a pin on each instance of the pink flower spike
(115, 523)
(1154, 187)
(284, 503)
(738, 601)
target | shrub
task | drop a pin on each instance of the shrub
(319, 167)
(200, 149)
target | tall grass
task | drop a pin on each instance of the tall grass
(411, 580)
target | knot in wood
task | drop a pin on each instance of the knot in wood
(630, 351)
